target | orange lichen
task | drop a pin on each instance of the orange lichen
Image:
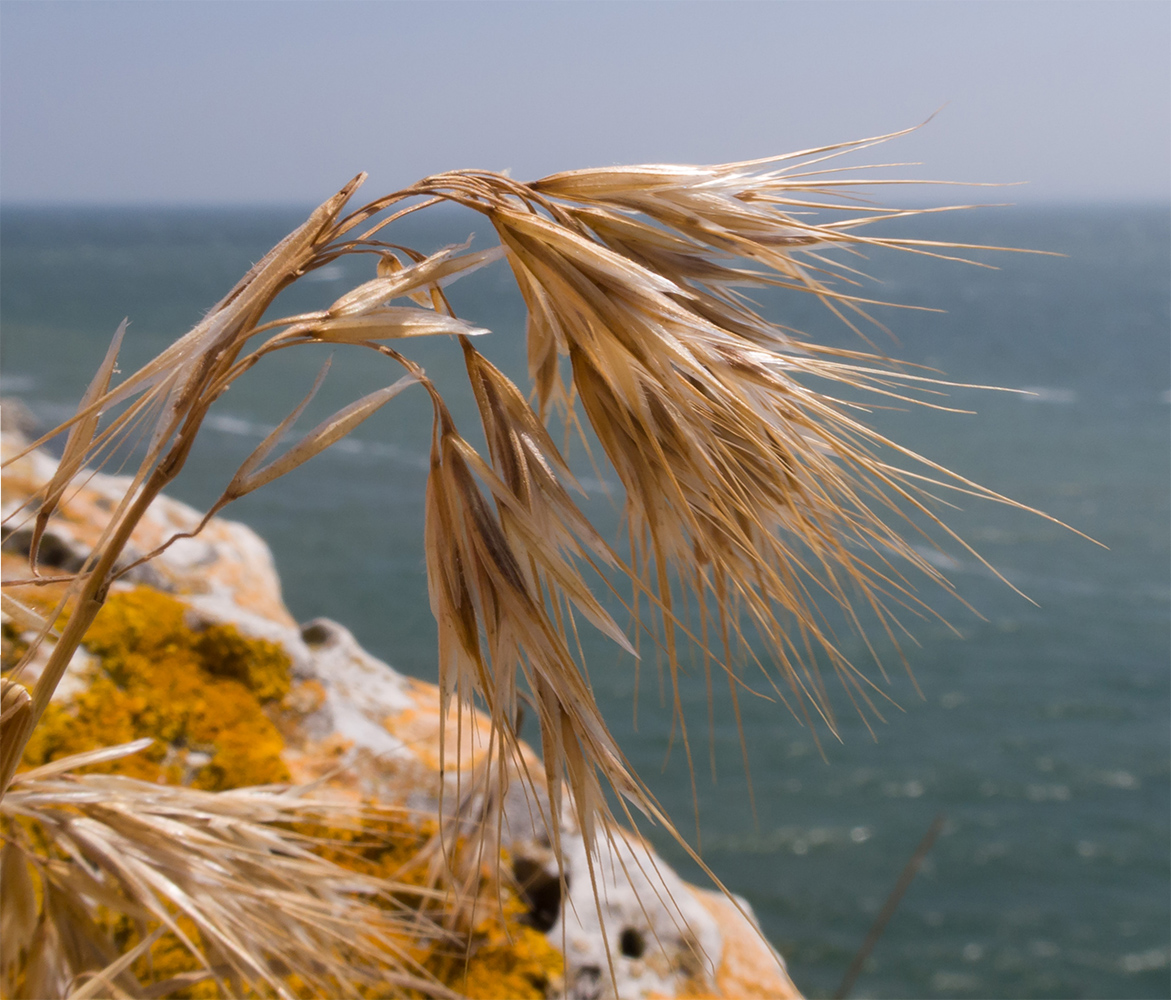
(504, 959)
(497, 958)
(199, 693)
(13, 644)
(385, 846)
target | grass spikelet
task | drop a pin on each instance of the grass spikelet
(486, 594)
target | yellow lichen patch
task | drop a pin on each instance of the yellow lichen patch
(387, 846)
(168, 957)
(13, 644)
(498, 957)
(200, 694)
(503, 959)
(203, 695)
(261, 666)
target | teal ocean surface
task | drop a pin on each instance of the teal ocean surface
(1043, 728)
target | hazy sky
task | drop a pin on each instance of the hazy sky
(283, 101)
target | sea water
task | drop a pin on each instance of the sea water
(1042, 730)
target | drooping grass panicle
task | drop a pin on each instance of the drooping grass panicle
(754, 492)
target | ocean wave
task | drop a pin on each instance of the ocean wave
(1145, 961)
(1048, 394)
(17, 383)
(331, 272)
(941, 560)
(795, 839)
(226, 423)
(593, 485)
(1034, 584)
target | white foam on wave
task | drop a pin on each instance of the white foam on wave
(331, 272)
(226, 423)
(17, 383)
(592, 484)
(941, 560)
(1048, 394)
(379, 449)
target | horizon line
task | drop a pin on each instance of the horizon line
(290, 204)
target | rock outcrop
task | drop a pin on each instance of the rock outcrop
(371, 732)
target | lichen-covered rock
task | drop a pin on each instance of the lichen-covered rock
(749, 966)
(227, 560)
(199, 693)
(253, 697)
(661, 941)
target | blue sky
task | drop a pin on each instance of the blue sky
(280, 101)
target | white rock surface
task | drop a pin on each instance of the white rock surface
(660, 938)
(360, 690)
